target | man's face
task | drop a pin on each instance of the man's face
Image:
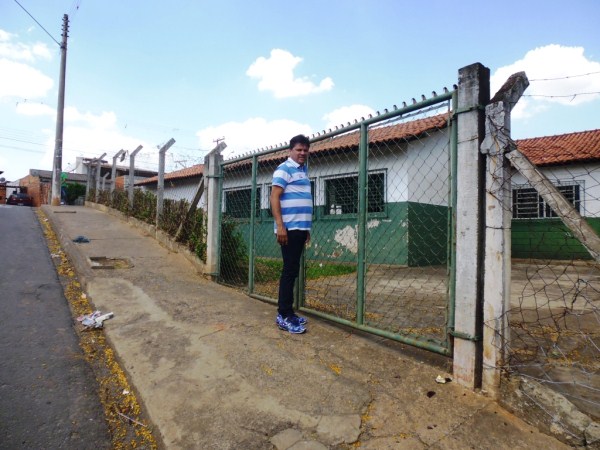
(299, 153)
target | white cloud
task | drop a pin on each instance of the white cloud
(90, 135)
(562, 65)
(276, 74)
(345, 114)
(22, 51)
(35, 109)
(21, 80)
(252, 134)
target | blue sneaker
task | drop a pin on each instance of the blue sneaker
(290, 325)
(299, 320)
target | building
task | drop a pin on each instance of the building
(572, 162)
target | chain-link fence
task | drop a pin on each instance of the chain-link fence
(380, 247)
(553, 334)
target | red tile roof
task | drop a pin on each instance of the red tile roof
(405, 130)
(188, 172)
(583, 146)
(402, 131)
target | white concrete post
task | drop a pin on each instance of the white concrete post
(113, 171)
(498, 216)
(160, 187)
(212, 171)
(132, 174)
(473, 95)
(98, 174)
(104, 177)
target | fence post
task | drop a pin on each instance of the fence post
(197, 194)
(88, 178)
(473, 95)
(104, 180)
(498, 200)
(97, 174)
(160, 188)
(113, 172)
(212, 170)
(132, 175)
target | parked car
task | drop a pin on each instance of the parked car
(20, 200)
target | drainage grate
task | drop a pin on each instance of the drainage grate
(103, 262)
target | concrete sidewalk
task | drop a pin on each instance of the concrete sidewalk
(214, 372)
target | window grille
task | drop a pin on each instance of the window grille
(528, 204)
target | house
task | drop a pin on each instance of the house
(38, 184)
(572, 162)
(408, 221)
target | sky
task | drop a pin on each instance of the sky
(256, 73)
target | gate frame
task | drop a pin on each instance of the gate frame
(445, 347)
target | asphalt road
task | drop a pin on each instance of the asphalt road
(48, 393)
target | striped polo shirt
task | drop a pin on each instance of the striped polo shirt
(296, 200)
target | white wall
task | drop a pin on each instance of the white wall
(417, 171)
(181, 189)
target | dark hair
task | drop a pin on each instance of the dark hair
(300, 139)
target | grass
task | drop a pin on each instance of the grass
(270, 269)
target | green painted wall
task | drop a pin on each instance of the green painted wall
(406, 234)
(428, 234)
(547, 239)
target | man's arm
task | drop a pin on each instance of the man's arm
(275, 199)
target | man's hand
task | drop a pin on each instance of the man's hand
(282, 237)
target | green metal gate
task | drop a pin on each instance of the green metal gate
(381, 249)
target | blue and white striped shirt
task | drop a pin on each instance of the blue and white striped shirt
(296, 199)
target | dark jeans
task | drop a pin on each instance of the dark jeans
(291, 254)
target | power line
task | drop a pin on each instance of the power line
(21, 140)
(42, 27)
(10, 147)
(566, 77)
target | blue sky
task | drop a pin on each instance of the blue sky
(257, 73)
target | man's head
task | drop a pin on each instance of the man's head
(299, 146)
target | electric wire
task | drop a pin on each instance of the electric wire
(34, 19)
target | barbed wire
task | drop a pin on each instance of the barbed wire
(565, 77)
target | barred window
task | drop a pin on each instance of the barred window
(528, 204)
(238, 203)
(341, 194)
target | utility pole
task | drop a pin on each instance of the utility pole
(57, 168)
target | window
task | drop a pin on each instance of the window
(238, 203)
(528, 204)
(341, 194)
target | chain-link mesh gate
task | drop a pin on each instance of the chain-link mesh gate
(381, 242)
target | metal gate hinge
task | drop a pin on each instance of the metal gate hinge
(465, 336)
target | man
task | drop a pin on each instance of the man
(291, 205)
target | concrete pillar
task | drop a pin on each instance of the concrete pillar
(132, 175)
(498, 202)
(212, 171)
(160, 185)
(473, 96)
